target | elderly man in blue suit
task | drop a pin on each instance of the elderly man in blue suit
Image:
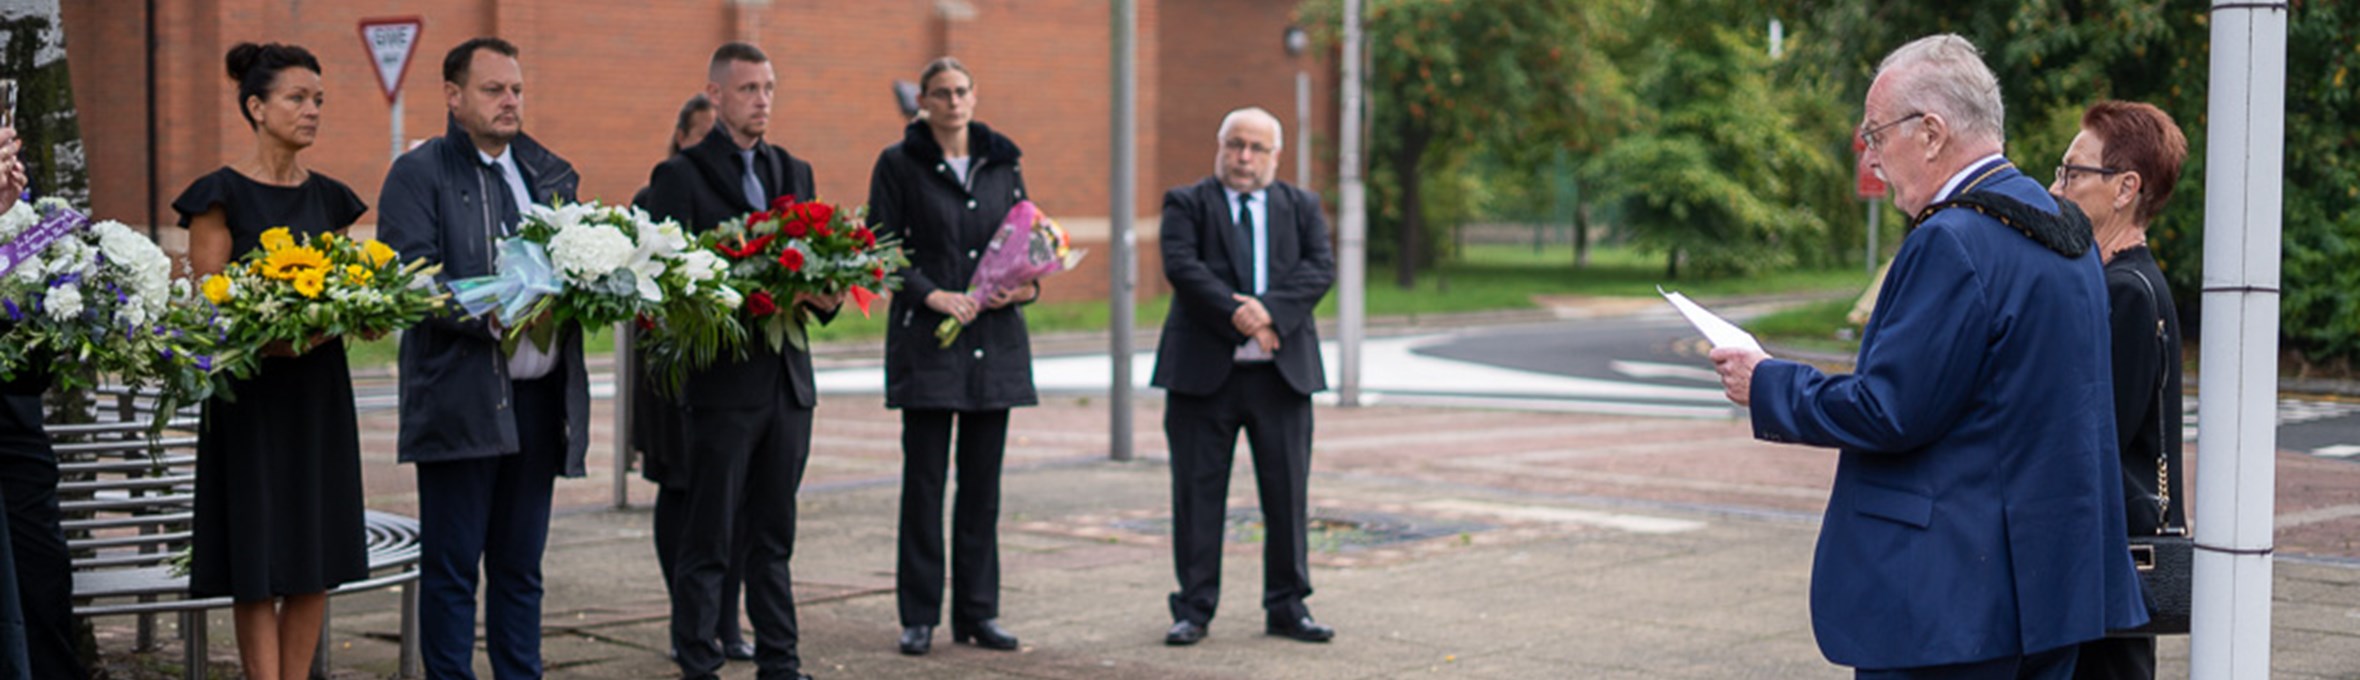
(1975, 529)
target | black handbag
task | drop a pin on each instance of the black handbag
(2166, 560)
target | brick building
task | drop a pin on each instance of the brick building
(604, 79)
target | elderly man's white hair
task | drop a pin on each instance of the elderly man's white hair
(1278, 131)
(1944, 75)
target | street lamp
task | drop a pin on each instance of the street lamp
(1298, 41)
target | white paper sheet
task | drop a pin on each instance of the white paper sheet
(1716, 329)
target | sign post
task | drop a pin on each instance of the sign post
(390, 42)
(1869, 188)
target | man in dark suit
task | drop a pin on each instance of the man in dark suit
(489, 431)
(1975, 528)
(1248, 259)
(745, 421)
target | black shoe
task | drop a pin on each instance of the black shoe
(737, 651)
(986, 634)
(1303, 629)
(1185, 632)
(915, 640)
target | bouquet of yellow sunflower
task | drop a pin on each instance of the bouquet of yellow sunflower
(298, 290)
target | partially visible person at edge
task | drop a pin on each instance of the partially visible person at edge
(1248, 259)
(745, 421)
(652, 424)
(489, 430)
(943, 190)
(2121, 169)
(36, 573)
(1975, 528)
(278, 508)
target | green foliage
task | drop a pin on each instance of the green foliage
(2056, 57)
(1724, 167)
(1517, 80)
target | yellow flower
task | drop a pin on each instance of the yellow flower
(277, 239)
(357, 275)
(285, 264)
(378, 252)
(309, 282)
(217, 288)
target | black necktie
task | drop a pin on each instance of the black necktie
(1245, 216)
(511, 209)
(1245, 228)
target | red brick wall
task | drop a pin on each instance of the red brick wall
(604, 79)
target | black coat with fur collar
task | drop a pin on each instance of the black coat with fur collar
(945, 225)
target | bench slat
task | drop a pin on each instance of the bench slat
(172, 540)
(163, 520)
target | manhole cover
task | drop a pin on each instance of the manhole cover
(1329, 531)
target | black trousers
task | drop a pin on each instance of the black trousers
(975, 516)
(2116, 658)
(1203, 436)
(44, 570)
(671, 521)
(743, 468)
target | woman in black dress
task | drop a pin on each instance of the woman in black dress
(278, 517)
(943, 190)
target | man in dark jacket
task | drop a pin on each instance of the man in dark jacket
(489, 430)
(1975, 524)
(745, 421)
(1248, 259)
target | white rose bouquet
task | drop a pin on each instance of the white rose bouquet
(600, 266)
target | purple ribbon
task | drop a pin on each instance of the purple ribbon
(53, 226)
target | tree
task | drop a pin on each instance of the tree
(33, 53)
(2056, 57)
(1728, 157)
(1518, 79)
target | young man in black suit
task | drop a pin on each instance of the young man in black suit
(745, 421)
(1248, 259)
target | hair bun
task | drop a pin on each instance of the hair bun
(242, 59)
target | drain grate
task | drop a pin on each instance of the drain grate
(1329, 531)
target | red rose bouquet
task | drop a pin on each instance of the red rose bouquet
(799, 247)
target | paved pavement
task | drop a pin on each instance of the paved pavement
(1654, 541)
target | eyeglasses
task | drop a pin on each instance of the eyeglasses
(1873, 134)
(2065, 172)
(1242, 146)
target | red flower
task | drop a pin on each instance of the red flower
(792, 259)
(760, 304)
(817, 213)
(794, 228)
(646, 323)
(822, 229)
(868, 239)
(781, 203)
(879, 272)
(750, 249)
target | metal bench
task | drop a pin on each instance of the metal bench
(128, 513)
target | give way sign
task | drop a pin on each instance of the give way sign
(390, 42)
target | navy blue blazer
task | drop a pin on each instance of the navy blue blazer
(1977, 506)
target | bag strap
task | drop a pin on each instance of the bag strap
(2164, 502)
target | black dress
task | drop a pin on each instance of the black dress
(278, 470)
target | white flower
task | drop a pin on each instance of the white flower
(63, 303)
(587, 252)
(650, 289)
(32, 269)
(729, 296)
(148, 270)
(17, 220)
(701, 265)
